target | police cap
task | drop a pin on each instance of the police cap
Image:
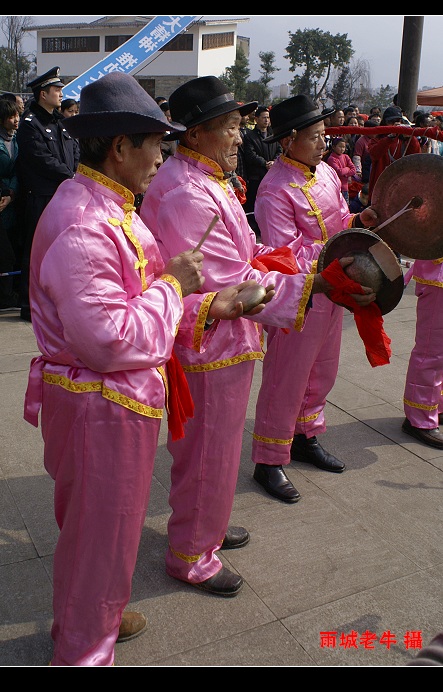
(50, 78)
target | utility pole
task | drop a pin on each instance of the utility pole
(410, 64)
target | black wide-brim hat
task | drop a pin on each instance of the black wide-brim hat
(296, 113)
(202, 99)
(377, 265)
(114, 105)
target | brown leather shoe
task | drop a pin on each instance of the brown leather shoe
(132, 625)
(224, 583)
(236, 537)
(432, 438)
(275, 481)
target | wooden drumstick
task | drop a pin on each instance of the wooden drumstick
(413, 203)
(207, 232)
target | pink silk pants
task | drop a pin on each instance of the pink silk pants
(299, 371)
(101, 457)
(424, 379)
(205, 470)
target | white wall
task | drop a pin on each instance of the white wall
(198, 62)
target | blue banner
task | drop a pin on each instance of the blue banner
(130, 56)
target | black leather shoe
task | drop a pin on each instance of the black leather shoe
(236, 537)
(310, 451)
(25, 314)
(275, 481)
(224, 583)
(432, 438)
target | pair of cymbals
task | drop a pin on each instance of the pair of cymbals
(408, 200)
(375, 265)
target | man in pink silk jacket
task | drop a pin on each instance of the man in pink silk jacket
(299, 204)
(106, 312)
(188, 190)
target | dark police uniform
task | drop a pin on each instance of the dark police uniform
(47, 155)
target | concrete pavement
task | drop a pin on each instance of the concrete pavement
(362, 552)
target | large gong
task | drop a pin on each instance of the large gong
(416, 179)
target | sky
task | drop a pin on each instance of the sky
(376, 39)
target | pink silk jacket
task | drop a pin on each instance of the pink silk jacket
(120, 353)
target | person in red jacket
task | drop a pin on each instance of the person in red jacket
(342, 164)
(384, 149)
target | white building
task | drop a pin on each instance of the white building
(206, 47)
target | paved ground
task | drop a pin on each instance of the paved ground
(361, 552)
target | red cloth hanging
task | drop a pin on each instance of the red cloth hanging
(180, 405)
(279, 260)
(368, 319)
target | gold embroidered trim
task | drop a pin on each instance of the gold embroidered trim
(126, 223)
(162, 372)
(308, 418)
(307, 289)
(422, 407)
(271, 440)
(81, 387)
(217, 173)
(186, 558)
(172, 280)
(428, 282)
(76, 387)
(217, 170)
(218, 364)
(316, 211)
(301, 166)
(438, 261)
(107, 182)
(201, 320)
(222, 182)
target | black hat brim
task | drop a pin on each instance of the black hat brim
(300, 123)
(114, 123)
(348, 243)
(224, 109)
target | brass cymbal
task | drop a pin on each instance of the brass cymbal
(418, 233)
(374, 265)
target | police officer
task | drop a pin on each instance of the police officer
(47, 155)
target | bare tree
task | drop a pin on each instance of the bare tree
(14, 27)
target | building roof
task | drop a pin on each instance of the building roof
(124, 21)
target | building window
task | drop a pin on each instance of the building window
(71, 44)
(182, 42)
(210, 41)
(114, 42)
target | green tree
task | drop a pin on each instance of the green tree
(383, 97)
(256, 91)
(14, 28)
(318, 52)
(236, 76)
(267, 70)
(340, 89)
(6, 70)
